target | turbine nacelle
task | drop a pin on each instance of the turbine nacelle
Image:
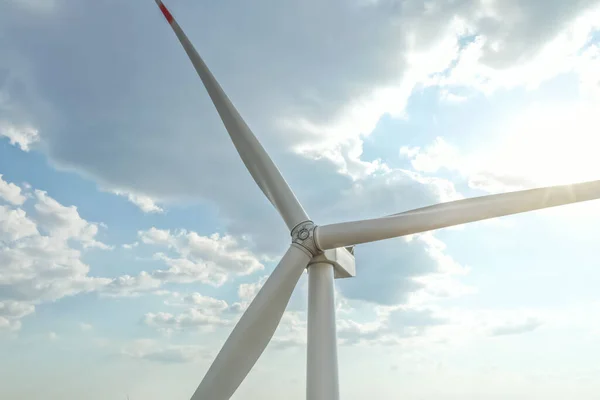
(344, 265)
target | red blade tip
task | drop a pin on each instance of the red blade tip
(165, 12)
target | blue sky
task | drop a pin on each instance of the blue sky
(131, 236)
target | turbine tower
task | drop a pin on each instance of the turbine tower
(327, 252)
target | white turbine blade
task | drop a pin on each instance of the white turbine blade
(254, 330)
(453, 213)
(257, 161)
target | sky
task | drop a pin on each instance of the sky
(132, 237)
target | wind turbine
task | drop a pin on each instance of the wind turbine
(327, 252)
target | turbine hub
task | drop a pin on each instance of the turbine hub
(303, 235)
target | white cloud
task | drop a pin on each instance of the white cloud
(565, 132)
(155, 351)
(145, 203)
(6, 325)
(453, 62)
(352, 332)
(588, 69)
(411, 271)
(413, 321)
(43, 268)
(128, 246)
(130, 286)
(182, 270)
(437, 286)
(336, 98)
(351, 90)
(85, 327)
(11, 192)
(15, 225)
(452, 97)
(11, 312)
(464, 325)
(560, 136)
(15, 309)
(194, 318)
(515, 327)
(208, 259)
(440, 154)
(36, 267)
(65, 222)
(436, 250)
(23, 136)
(425, 325)
(391, 326)
(206, 303)
(387, 192)
(509, 49)
(203, 312)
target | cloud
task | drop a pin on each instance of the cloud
(351, 332)
(11, 312)
(588, 67)
(144, 203)
(440, 154)
(65, 222)
(85, 327)
(542, 42)
(41, 268)
(192, 319)
(201, 312)
(412, 322)
(388, 192)
(7, 325)
(205, 302)
(391, 274)
(515, 327)
(38, 260)
(23, 136)
(313, 125)
(417, 325)
(131, 286)
(336, 98)
(392, 326)
(466, 324)
(154, 351)
(15, 225)
(11, 192)
(504, 164)
(206, 314)
(208, 259)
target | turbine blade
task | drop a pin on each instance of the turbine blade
(254, 330)
(453, 213)
(257, 161)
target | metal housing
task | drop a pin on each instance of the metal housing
(342, 259)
